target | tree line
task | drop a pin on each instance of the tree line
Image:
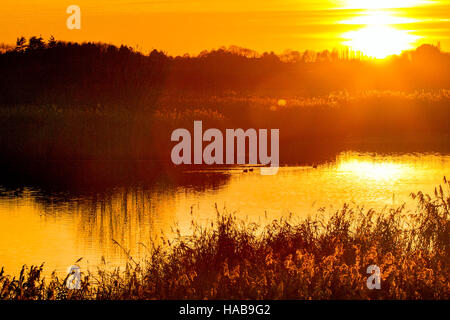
(36, 71)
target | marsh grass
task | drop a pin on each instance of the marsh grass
(307, 124)
(315, 259)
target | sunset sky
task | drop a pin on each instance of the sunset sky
(377, 28)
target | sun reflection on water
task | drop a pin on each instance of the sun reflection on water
(373, 170)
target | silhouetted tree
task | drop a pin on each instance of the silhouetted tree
(35, 43)
(51, 42)
(21, 44)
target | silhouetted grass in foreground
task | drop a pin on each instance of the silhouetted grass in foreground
(315, 259)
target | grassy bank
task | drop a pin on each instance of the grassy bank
(315, 125)
(315, 259)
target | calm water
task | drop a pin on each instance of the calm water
(58, 228)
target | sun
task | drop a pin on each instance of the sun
(379, 41)
(379, 34)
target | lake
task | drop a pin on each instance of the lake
(60, 225)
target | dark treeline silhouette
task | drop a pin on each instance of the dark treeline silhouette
(89, 74)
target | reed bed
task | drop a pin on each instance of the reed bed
(317, 258)
(58, 133)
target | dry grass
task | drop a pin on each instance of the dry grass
(314, 259)
(57, 133)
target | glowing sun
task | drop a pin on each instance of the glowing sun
(379, 34)
(379, 41)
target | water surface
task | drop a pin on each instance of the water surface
(57, 228)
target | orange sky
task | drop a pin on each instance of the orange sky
(376, 27)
